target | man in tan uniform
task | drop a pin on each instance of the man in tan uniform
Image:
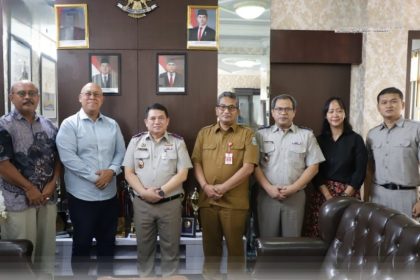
(224, 157)
(394, 153)
(289, 159)
(156, 163)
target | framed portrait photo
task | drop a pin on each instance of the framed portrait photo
(171, 73)
(72, 26)
(48, 87)
(105, 70)
(203, 27)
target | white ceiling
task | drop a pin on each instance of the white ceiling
(241, 39)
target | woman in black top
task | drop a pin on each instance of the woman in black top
(343, 171)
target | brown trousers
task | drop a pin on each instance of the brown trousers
(218, 222)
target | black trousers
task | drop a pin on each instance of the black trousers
(93, 219)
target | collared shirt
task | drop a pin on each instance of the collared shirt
(86, 146)
(210, 149)
(396, 152)
(284, 156)
(31, 149)
(155, 163)
(346, 159)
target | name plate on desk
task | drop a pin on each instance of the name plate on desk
(188, 227)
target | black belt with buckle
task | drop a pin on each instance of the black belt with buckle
(392, 186)
(166, 199)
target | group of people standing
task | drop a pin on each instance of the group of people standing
(284, 159)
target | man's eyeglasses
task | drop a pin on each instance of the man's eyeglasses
(30, 93)
(281, 109)
(230, 108)
(94, 95)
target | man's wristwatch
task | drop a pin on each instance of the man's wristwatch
(161, 193)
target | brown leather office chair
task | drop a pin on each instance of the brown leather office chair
(358, 240)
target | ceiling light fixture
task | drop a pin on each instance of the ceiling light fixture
(241, 62)
(246, 63)
(249, 9)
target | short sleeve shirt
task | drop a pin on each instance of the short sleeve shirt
(155, 163)
(395, 152)
(31, 149)
(284, 156)
(210, 149)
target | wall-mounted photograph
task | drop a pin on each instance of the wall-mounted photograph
(171, 73)
(48, 87)
(20, 61)
(203, 27)
(72, 26)
(105, 71)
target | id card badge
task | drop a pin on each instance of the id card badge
(229, 154)
(229, 158)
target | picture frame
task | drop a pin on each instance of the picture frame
(208, 18)
(105, 70)
(188, 227)
(72, 26)
(171, 73)
(48, 86)
(20, 61)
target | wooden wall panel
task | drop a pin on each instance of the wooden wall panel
(189, 112)
(164, 30)
(313, 66)
(311, 85)
(109, 27)
(138, 41)
(73, 74)
(304, 46)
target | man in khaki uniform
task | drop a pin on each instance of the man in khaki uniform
(156, 163)
(224, 157)
(394, 153)
(289, 159)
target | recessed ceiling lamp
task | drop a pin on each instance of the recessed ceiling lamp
(241, 62)
(249, 9)
(246, 63)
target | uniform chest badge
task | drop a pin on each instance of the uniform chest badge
(141, 164)
(168, 147)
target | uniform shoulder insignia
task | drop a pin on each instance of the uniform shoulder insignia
(245, 127)
(139, 134)
(304, 127)
(209, 126)
(264, 127)
(175, 135)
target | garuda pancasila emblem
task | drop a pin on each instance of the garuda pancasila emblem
(137, 8)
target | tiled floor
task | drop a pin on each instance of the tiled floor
(125, 260)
